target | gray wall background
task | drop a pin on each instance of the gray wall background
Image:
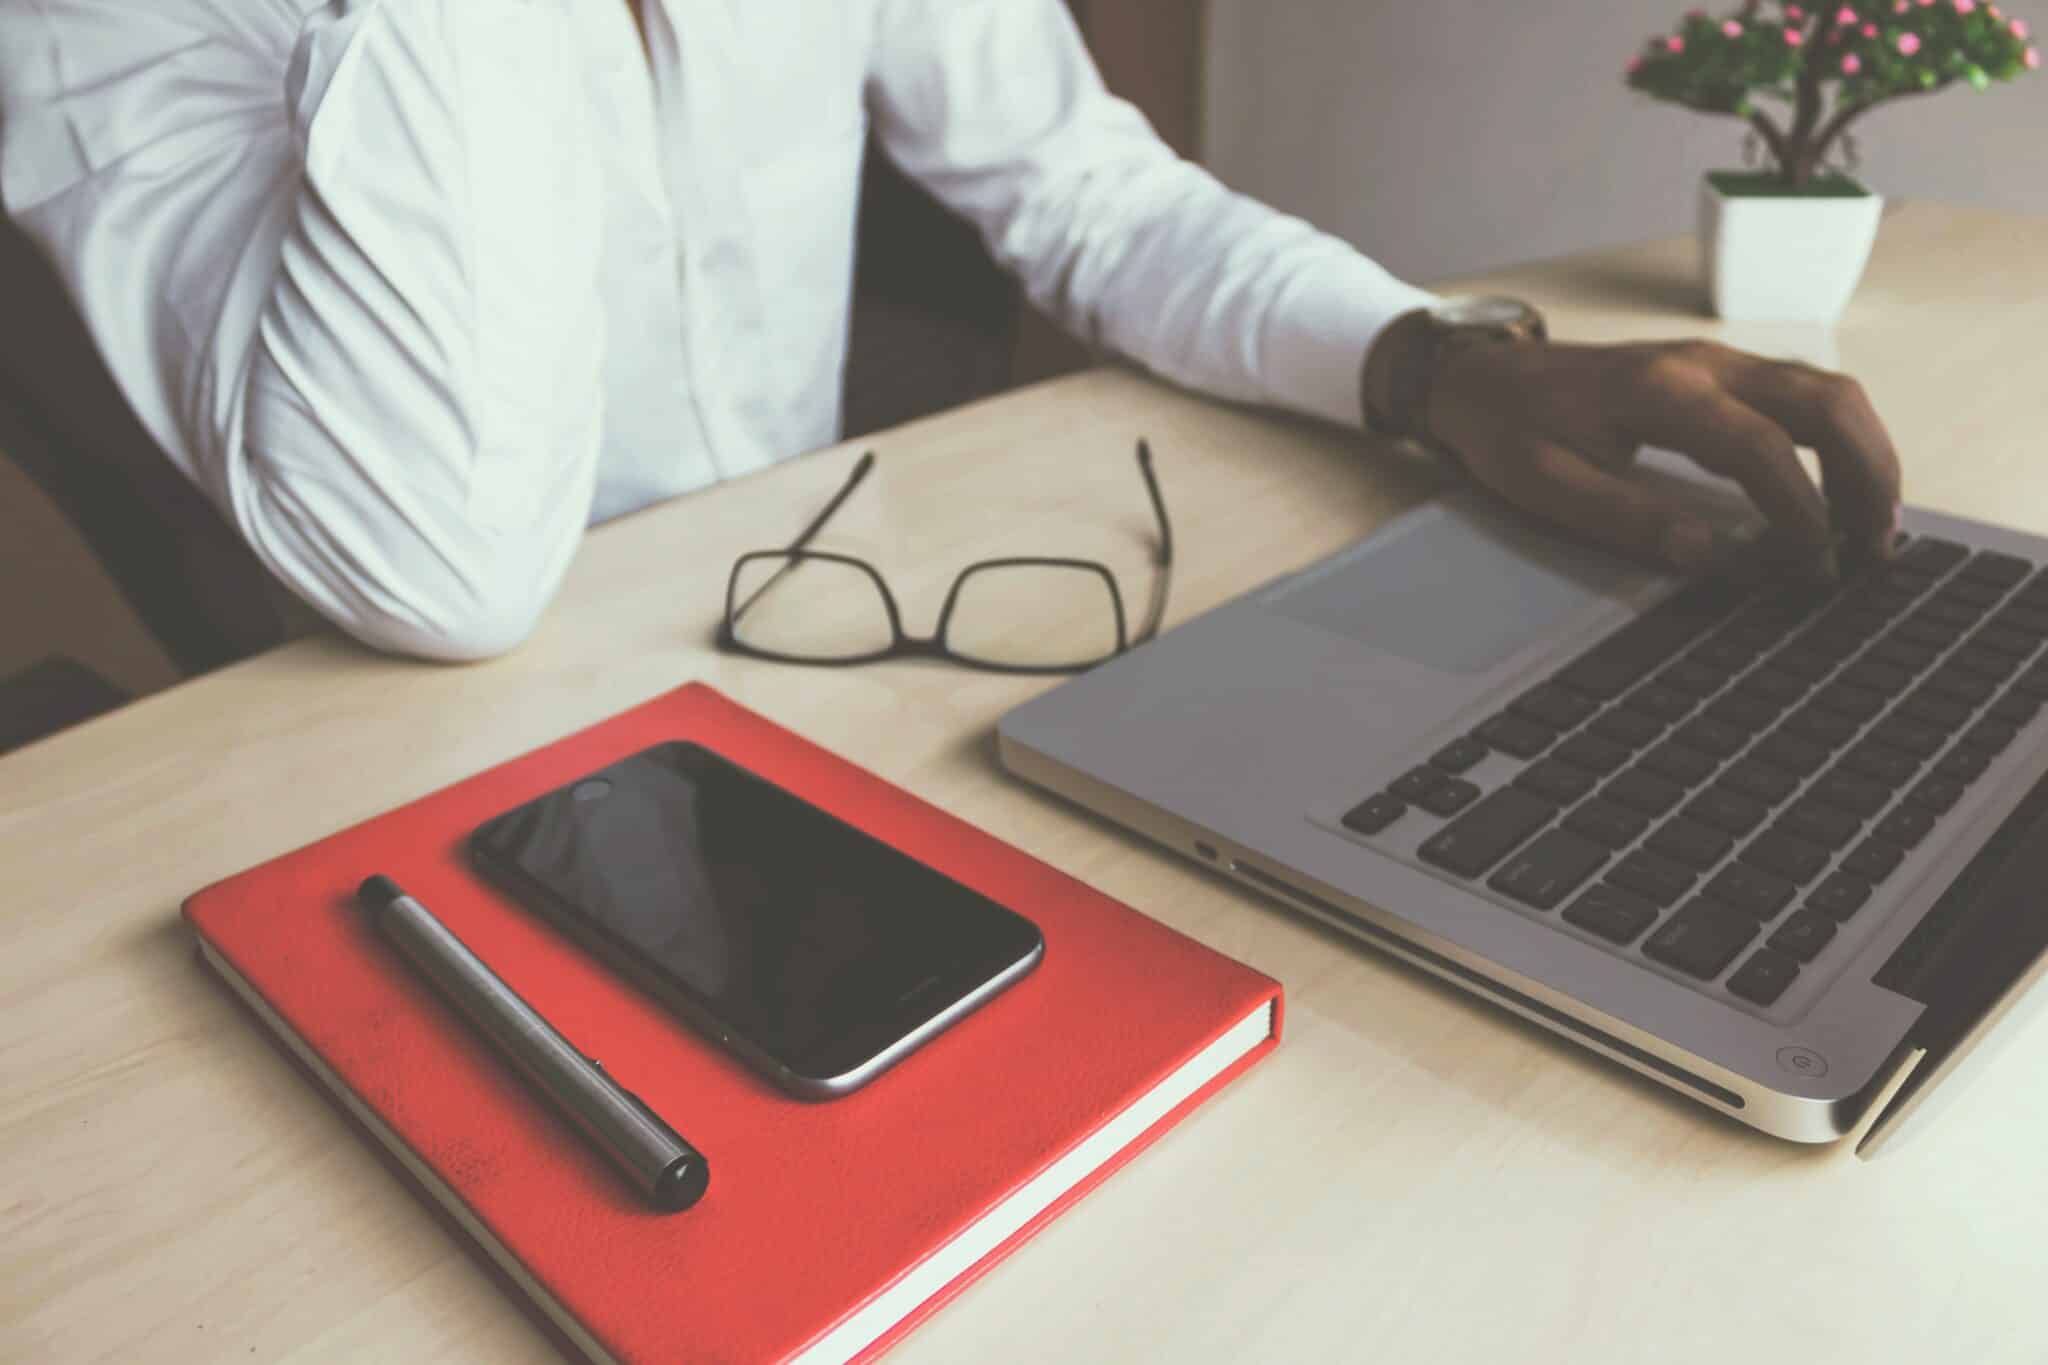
(1443, 137)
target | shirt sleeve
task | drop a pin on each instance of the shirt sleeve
(342, 261)
(996, 107)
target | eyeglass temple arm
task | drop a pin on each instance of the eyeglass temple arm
(861, 468)
(1155, 614)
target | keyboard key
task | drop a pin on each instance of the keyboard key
(1632, 653)
(1695, 680)
(1449, 796)
(1726, 656)
(1745, 713)
(1625, 726)
(1555, 781)
(1932, 709)
(1970, 591)
(1888, 766)
(1606, 823)
(1959, 685)
(1689, 842)
(1754, 892)
(1488, 832)
(1776, 851)
(1926, 633)
(1655, 879)
(1950, 613)
(1680, 764)
(1854, 703)
(1759, 780)
(1962, 765)
(2032, 683)
(1416, 783)
(1904, 827)
(1804, 663)
(2000, 640)
(1555, 705)
(1594, 754)
(1856, 795)
(2015, 708)
(1701, 939)
(1840, 896)
(1763, 978)
(1374, 814)
(1726, 810)
(1802, 936)
(1882, 678)
(1711, 737)
(1549, 868)
(1985, 663)
(2027, 620)
(1900, 654)
(1662, 702)
(1608, 910)
(1822, 727)
(1989, 736)
(1459, 755)
(2000, 570)
(1790, 753)
(1514, 735)
(1873, 860)
(1937, 795)
(1769, 685)
(1818, 824)
(1645, 791)
(1909, 737)
(1931, 555)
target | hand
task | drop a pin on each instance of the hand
(1548, 426)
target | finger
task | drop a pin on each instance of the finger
(1727, 436)
(1832, 414)
(1558, 485)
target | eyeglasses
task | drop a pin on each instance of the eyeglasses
(803, 606)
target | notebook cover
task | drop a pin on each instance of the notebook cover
(813, 1208)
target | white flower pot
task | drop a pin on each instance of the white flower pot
(1789, 259)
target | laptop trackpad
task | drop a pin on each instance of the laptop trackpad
(1456, 586)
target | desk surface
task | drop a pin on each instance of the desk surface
(1414, 1174)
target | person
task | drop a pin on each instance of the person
(416, 290)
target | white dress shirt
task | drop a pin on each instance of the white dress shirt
(416, 290)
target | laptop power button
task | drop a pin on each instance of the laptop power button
(1803, 1061)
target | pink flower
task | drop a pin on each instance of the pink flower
(1793, 37)
(2033, 59)
(1674, 44)
(2020, 29)
(1794, 13)
(1966, 6)
(1732, 28)
(1851, 64)
(1901, 6)
(1845, 16)
(1870, 30)
(1635, 64)
(1925, 3)
(1909, 43)
(1992, 10)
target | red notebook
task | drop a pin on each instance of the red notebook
(829, 1229)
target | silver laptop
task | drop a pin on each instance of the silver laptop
(1780, 850)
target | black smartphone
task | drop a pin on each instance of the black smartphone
(817, 953)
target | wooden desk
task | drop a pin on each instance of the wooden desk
(1414, 1176)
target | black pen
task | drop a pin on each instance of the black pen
(669, 1173)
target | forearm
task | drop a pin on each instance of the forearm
(419, 430)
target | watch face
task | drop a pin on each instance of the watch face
(1482, 310)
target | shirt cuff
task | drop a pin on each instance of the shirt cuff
(1320, 329)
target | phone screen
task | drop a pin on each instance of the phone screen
(817, 944)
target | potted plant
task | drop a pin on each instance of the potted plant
(1789, 240)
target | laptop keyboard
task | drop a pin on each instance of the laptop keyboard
(1725, 781)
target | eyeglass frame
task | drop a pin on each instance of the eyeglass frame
(904, 645)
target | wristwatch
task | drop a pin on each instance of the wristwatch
(1422, 339)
